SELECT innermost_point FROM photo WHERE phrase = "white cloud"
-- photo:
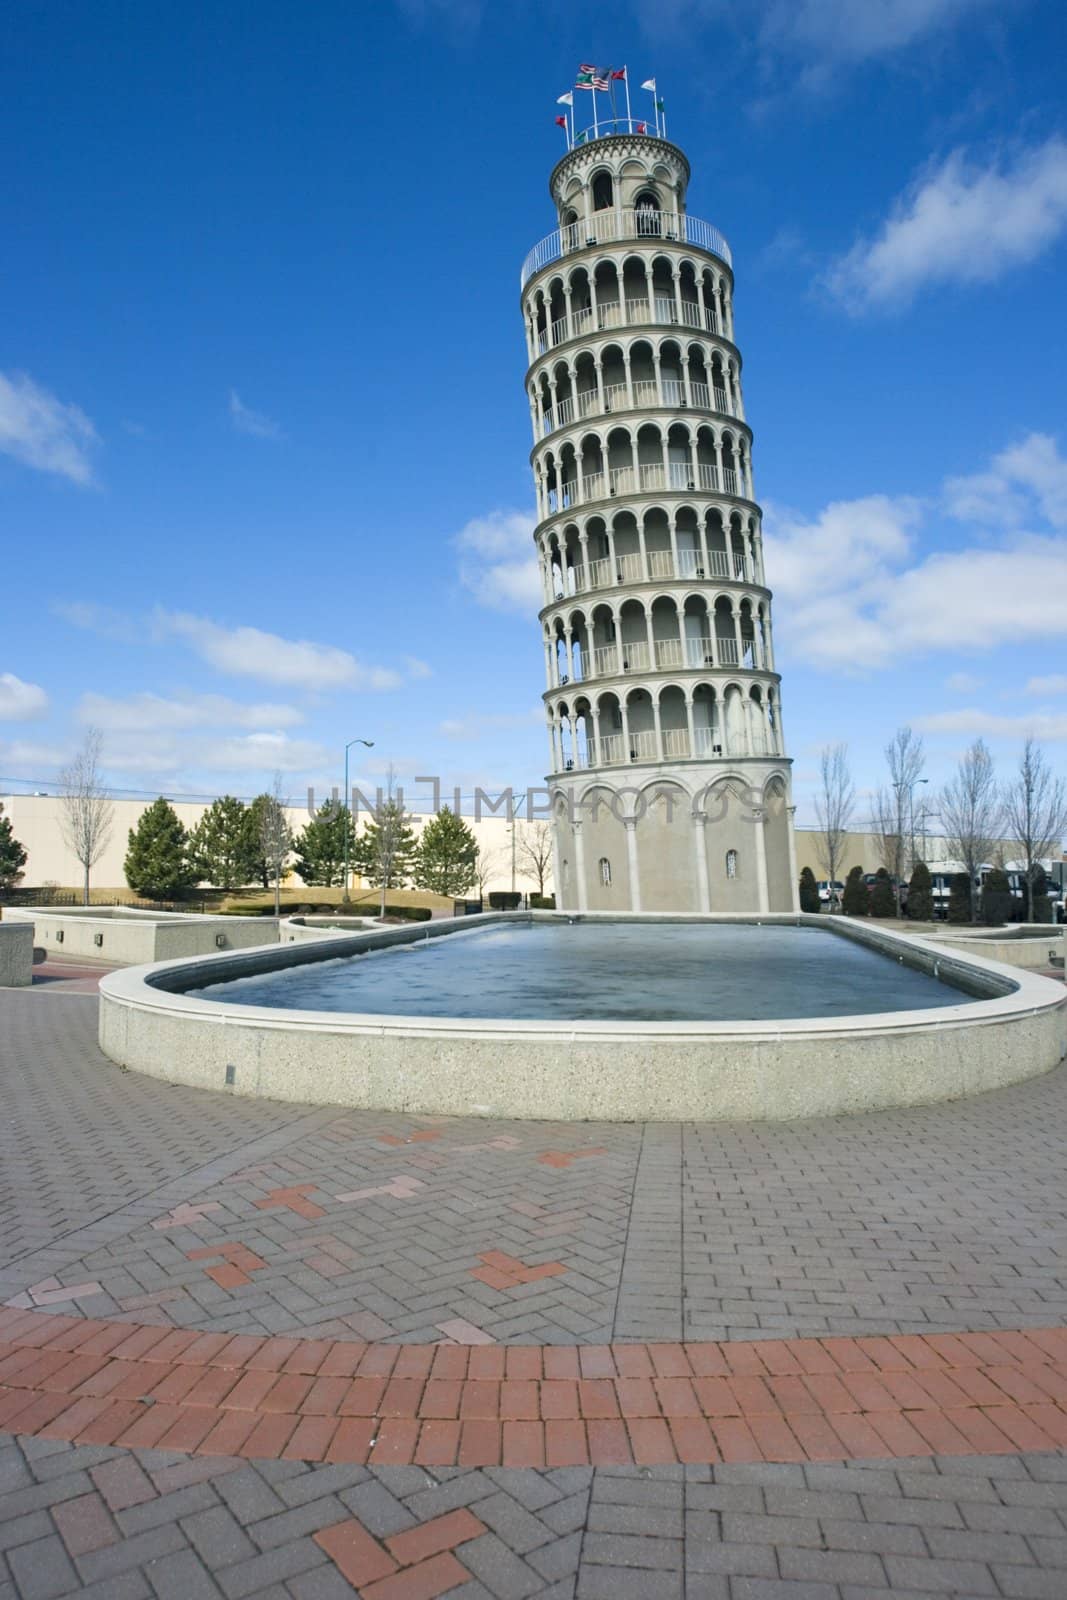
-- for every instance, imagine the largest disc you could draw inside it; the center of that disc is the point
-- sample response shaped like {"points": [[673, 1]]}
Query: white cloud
{"points": [[43, 432], [102, 620], [1054, 683], [167, 753], [963, 682], [497, 561], [254, 423], [1032, 471], [976, 723], [252, 653], [824, 31], [152, 713], [19, 701], [416, 668], [855, 595], [958, 223], [477, 724]]}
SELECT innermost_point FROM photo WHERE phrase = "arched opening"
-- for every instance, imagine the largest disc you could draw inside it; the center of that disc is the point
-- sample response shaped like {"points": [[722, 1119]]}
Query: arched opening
{"points": [[603, 192], [674, 724], [604, 870], [731, 863], [707, 738], [647, 214]]}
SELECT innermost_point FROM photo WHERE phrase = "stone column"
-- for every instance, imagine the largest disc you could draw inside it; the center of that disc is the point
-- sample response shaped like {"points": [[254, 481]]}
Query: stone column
{"points": [[759, 820], [791, 812], [700, 860], [630, 825], [579, 865]]}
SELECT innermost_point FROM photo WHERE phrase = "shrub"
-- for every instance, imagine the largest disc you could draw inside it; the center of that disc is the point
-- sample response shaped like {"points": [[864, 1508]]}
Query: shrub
{"points": [[505, 900], [855, 901], [996, 898], [920, 894], [959, 898], [883, 900], [542, 902], [809, 891]]}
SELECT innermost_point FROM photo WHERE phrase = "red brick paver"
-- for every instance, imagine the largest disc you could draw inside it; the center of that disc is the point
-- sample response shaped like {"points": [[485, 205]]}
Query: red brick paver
{"points": [[320, 1399]]}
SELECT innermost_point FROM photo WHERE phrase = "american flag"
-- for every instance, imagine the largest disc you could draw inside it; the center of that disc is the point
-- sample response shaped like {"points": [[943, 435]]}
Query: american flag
{"points": [[590, 77]]}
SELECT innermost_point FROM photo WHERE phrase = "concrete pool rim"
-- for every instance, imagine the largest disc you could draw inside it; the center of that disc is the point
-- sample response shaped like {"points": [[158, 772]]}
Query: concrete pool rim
{"points": [[585, 1070]]}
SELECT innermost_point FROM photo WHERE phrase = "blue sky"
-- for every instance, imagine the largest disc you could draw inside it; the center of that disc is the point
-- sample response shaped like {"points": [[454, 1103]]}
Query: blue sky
{"points": [[263, 438]]}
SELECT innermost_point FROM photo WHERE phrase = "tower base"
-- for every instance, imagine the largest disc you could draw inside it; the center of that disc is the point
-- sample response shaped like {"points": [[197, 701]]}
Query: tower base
{"points": [[689, 837]]}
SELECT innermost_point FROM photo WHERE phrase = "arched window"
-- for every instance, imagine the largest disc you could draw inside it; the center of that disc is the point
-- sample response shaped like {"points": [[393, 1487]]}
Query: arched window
{"points": [[603, 197], [731, 863], [605, 872], [646, 208]]}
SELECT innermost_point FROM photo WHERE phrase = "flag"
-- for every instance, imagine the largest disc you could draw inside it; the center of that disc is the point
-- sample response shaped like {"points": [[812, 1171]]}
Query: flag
{"points": [[590, 77], [642, 127], [660, 106], [620, 74], [649, 83], [561, 122], [565, 99]]}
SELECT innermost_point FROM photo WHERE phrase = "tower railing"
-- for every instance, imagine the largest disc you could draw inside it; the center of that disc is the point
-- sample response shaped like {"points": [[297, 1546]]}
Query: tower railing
{"points": [[630, 222]]}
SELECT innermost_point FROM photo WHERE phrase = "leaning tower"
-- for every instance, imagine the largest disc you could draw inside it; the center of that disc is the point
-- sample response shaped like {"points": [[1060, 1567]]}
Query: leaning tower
{"points": [[670, 786]]}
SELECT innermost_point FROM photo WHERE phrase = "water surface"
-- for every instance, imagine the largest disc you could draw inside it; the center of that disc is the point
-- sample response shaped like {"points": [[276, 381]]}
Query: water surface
{"points": [[626, 972]]}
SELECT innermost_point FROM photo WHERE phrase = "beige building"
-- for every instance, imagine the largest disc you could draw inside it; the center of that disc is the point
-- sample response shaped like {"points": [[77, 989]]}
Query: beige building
{"points": [[670, 783], [36, 822]]}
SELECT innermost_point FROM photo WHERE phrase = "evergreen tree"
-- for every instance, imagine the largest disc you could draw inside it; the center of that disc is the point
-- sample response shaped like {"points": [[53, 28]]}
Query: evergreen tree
{"points": [[224, 848], [920, 894], [447, 855], [809, 891], [320, 846], [12, 854], [959, 898], [855, 901], [883, 900], [996, 898], [386, 850], [157, 864], [273, 836], [1040, 902]]}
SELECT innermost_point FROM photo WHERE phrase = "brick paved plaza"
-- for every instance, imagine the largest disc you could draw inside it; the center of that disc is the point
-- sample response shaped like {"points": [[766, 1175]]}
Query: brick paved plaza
{"points": [[249, 1349]]}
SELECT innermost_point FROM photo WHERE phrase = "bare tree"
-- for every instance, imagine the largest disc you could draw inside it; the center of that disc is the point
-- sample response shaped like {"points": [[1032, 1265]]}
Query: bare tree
{"points": [[971, 814], [535, 851], [485, 869], [275, 836], [892, 809], [87, 813], [834, 805], [1035, 813]]}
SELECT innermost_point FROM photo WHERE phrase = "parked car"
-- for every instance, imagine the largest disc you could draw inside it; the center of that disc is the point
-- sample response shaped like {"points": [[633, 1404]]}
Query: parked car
{"points": [[830, 892]]}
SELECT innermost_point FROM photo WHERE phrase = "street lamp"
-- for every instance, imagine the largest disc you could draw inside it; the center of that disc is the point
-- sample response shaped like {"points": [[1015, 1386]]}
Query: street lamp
{"points": [[348, 810]]}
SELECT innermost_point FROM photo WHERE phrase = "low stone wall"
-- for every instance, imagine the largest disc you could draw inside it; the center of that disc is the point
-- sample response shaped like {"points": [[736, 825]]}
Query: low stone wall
{"points": [[16, 954], [587, 1070], [298, 930], [1030, 945], [132, 937]]}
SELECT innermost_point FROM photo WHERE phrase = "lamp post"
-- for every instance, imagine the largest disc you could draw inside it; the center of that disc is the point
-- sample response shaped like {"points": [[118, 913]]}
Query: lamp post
{"points": [[348, 810]]}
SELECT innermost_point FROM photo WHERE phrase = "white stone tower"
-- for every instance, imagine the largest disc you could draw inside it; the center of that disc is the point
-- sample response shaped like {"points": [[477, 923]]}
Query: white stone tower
{"points": [[670, 785]]}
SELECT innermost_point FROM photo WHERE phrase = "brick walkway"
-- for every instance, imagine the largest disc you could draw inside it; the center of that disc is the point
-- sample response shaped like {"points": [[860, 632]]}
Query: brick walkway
{"points": [[251, 1349]]}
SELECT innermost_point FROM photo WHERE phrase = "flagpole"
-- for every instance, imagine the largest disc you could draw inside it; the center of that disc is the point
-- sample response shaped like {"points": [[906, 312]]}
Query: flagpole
{"points": [[596, 125], [626, 83], [570, 113]]}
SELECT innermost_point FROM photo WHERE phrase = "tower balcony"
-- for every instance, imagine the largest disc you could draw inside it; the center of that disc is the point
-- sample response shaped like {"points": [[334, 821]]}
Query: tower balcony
{"points": [[642, 393], [638, 222], [657, 566], [633, 311], [654, 724], [651, 476]]}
